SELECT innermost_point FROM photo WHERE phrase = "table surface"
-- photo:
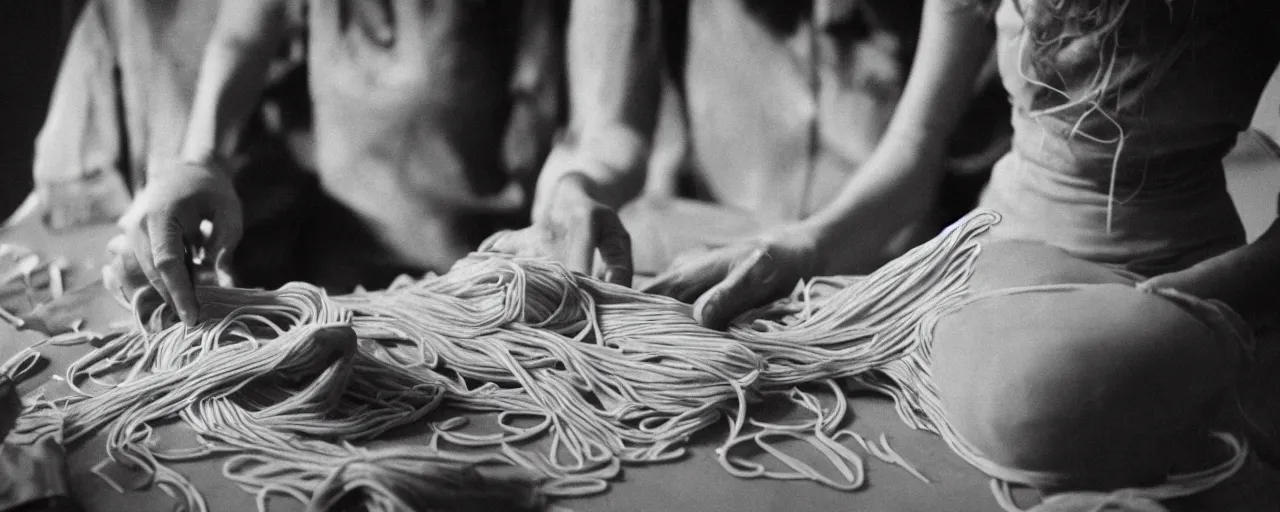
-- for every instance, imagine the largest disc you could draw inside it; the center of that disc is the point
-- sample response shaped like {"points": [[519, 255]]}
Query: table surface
{"points": [[695, 483]]}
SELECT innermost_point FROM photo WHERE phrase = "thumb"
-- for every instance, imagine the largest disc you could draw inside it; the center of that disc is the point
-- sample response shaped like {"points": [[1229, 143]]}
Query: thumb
{"points": [[227, 230], [741, 289], [222, 268]]}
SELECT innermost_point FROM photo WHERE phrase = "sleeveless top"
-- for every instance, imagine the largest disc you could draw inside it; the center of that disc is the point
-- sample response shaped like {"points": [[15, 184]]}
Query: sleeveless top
{"points": [[1170, 207]]}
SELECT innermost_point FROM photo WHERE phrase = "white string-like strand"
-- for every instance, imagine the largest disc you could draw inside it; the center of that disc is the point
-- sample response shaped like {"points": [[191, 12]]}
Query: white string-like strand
{"points": [[297, 387]]}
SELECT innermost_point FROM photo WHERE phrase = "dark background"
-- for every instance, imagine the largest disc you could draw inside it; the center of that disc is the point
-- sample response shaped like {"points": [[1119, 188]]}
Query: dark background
{"points": [[32, 33]]}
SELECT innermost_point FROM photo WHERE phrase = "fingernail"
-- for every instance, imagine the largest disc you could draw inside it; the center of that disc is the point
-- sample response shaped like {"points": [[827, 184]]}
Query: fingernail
{"points": [[704, 314], [615, 275]]}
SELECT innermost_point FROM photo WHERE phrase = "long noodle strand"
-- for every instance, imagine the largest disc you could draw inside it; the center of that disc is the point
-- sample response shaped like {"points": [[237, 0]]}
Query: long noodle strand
{"points": [[298, 388]]}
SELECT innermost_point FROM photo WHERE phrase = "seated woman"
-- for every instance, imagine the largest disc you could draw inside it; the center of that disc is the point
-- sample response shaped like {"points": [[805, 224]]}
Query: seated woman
{"points": [[1123, 111], [1099, 378]]}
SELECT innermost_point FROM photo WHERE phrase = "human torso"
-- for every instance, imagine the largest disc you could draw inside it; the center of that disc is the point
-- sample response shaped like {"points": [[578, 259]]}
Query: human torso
{"points": [[1169, 207], [785, 99], [410, 135]]}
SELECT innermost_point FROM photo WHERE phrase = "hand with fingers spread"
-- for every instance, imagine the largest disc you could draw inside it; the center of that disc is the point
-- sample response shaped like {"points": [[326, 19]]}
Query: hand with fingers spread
{"points": [[572, 230], [173, 206], [724, 282]]}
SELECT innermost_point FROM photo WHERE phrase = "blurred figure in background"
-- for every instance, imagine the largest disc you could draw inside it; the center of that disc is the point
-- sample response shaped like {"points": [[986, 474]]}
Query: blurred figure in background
{"points": [[427, 121], [767, 109]]}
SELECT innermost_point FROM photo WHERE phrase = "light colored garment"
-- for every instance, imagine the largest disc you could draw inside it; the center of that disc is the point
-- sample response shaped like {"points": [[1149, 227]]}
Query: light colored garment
{"points": [[410, 135], [783, 102], [121, 99], [1170, 206], [770, 107]]}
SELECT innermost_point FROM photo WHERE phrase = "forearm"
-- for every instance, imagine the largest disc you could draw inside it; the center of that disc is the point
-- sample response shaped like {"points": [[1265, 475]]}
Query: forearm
{"points": [[613, 63], [1247, 279], [233, 75], [900, 181]]}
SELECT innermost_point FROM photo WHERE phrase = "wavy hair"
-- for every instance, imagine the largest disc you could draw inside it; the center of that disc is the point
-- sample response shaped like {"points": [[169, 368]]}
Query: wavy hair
{"points": [[1084, 54], [1084, 49]]}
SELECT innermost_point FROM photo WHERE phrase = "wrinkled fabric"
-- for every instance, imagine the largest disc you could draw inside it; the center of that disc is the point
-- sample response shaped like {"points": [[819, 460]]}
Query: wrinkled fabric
{"points": [[411, 135], [767, 108], [121, 99], [418, 161], [33, 464], [1171, 208], [752, 127], [34, 477], [784, 101]]}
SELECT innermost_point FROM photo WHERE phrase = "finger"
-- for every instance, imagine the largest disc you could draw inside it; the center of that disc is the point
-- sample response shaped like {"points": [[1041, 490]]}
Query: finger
{"points": [[118, 245], [129, 273], [495, 242], [614, 244], [522, 242], [578, 249], [223, 271], [748, 285], [228, 228], [169, 236], [141, 243], [374, 17], [511, 198], [689, 280]]}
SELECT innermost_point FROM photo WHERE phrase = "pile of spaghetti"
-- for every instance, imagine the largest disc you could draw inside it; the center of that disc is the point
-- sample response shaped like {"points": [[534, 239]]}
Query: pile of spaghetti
{"points": [[296, 387]]}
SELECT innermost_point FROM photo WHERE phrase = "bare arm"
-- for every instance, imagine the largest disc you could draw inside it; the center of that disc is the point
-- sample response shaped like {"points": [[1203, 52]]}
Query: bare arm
{"points": [[1246, 278], [181, 195], [613, 54], [233, 75], [901, 179], [894, 188], [613, 69]]}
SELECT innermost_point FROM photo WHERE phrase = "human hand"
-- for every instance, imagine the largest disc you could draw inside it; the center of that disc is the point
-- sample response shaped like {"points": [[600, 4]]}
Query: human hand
{"points": [[375, 19], [726, 281], [571, 230], [1238, 278], [167, 222]]}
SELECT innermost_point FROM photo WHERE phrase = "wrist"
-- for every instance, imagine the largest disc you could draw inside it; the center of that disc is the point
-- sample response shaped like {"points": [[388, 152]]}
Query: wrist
{"points": [[858, 240], [568, 178], [574, 185], [820, 236], [565, 188], [169, 169], [202, 157]]}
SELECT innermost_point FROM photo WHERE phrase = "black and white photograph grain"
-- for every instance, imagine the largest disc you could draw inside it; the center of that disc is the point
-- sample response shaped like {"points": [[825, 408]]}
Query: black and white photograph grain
{"points": [[639, 255]]}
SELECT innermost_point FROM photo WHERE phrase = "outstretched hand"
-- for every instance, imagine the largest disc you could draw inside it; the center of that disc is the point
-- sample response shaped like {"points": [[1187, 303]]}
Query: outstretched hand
{"points": [[171, 210], [724, 282], [574, 228]]}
